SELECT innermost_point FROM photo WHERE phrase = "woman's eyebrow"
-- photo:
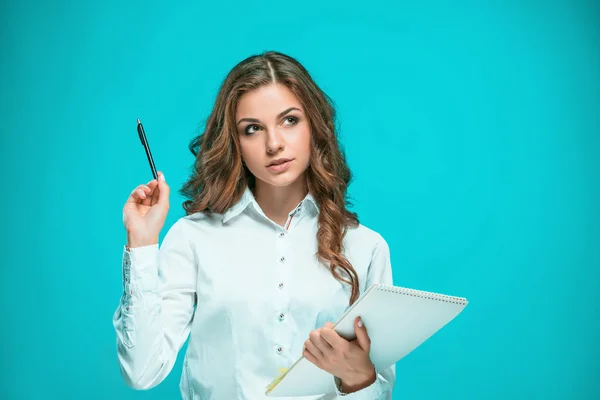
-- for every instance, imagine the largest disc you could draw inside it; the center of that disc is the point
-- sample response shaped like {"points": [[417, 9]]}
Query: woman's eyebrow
{"points": [[281, 114]]}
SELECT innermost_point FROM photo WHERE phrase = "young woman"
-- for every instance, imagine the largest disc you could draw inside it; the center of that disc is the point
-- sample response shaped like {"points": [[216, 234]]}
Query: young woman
{"points": [[266, 258]]}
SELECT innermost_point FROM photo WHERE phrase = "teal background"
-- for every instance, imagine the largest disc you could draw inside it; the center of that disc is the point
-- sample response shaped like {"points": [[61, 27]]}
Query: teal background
{"points": [[472, 130]]}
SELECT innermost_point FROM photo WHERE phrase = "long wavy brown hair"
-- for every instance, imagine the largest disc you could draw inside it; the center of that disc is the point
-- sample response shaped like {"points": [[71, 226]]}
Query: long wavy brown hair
{"points": [[219, 177]]}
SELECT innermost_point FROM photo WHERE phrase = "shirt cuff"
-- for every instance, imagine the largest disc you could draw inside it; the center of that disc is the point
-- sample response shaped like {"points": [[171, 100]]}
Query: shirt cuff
{"points": [[140, 268], [372, 392]]}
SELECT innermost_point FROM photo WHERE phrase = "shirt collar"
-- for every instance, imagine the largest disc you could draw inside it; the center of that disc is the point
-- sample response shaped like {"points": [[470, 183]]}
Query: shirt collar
{"points": [[248, 199]]}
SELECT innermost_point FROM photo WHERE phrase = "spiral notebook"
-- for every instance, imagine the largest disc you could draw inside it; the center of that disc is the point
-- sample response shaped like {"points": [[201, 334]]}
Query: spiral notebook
{"points": [[398, 320]]}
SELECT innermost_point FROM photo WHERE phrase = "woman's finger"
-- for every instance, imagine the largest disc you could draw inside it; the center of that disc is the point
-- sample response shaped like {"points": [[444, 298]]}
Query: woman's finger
{"points": [[149, 190], [314, 350], [155, 197], [332, 337], [319, 342], [307, 354], [136, 195]]}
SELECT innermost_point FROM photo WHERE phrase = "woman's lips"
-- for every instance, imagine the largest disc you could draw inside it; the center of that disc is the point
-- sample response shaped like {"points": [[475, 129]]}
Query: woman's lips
{"points": [[280, 167]]}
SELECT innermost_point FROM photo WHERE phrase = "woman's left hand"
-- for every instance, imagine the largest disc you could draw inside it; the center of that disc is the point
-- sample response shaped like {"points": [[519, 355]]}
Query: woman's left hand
{"points": [[348, 360]]}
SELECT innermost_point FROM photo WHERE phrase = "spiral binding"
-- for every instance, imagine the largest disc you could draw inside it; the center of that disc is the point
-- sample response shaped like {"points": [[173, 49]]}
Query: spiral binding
{"points": [[422, 294]]}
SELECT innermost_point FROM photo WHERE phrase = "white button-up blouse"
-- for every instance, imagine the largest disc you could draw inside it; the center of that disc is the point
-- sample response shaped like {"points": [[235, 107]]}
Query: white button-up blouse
{"points": [[246, 291]]}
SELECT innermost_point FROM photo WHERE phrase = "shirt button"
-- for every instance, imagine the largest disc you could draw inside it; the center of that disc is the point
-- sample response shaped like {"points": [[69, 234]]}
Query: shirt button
{"points": [[279, 350], [280, 285], [282, 259], [282, 234], [281, 317]]}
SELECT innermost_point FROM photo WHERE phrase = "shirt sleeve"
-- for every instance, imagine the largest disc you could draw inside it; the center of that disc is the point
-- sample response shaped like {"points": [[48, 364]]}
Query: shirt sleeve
{"points": [[380, 271], [154, 316]]}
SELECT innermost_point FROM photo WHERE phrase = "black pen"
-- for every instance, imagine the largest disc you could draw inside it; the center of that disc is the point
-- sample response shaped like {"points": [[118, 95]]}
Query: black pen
{"points": [[144, 141]]}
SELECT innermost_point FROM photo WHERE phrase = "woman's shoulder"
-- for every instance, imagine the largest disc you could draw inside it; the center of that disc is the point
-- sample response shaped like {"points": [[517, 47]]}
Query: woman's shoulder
{"points": [[365, 236], [203, 217], [198, 221]]}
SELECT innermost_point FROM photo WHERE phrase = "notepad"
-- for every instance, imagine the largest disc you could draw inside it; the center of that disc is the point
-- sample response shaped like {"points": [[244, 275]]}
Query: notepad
{"points": [[398, 321]]}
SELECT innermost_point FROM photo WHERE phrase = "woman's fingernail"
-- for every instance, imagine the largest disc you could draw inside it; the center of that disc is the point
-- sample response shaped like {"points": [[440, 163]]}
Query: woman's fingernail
{"points": [[161, 176]]}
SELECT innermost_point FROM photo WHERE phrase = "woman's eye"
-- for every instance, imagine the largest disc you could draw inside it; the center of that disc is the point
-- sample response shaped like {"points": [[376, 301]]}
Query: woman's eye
{"points": [[294, 120], [247, 132]]}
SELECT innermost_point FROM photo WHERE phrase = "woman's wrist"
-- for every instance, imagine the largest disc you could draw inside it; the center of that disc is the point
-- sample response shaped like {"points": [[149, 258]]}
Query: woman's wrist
{"points": [[134, 241], [359, 382]]}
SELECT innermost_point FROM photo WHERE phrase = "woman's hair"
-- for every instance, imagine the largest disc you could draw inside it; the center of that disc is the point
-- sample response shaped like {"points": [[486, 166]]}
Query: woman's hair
{"points": [[219, 177]]}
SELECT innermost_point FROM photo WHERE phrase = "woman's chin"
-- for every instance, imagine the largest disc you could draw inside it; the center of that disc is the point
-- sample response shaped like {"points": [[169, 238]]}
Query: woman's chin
{"points": [[281, 180]]}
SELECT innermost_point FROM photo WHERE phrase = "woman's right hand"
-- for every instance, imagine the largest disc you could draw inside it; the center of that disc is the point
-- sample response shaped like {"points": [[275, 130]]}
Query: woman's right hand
{"points": [[145, 212]]}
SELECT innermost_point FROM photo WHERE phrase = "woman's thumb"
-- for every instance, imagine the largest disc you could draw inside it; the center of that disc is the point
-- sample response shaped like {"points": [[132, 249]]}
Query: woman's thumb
{"points": [[164, 189], [362, 336]]}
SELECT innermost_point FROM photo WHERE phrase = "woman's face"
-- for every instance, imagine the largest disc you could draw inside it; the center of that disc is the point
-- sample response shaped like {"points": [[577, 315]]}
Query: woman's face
{"points": [[273, 128]]}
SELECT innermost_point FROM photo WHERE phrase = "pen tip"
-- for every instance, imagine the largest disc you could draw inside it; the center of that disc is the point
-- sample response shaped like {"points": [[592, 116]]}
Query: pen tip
{"points": [[139, 121]]}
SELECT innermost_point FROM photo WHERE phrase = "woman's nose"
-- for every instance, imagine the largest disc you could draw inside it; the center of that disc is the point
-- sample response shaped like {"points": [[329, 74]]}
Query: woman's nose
{"points": [[274, 141]]}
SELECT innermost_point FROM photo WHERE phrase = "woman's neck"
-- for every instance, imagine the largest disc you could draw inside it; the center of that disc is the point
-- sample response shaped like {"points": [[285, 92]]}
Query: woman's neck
{"points": [[278, 201]]}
